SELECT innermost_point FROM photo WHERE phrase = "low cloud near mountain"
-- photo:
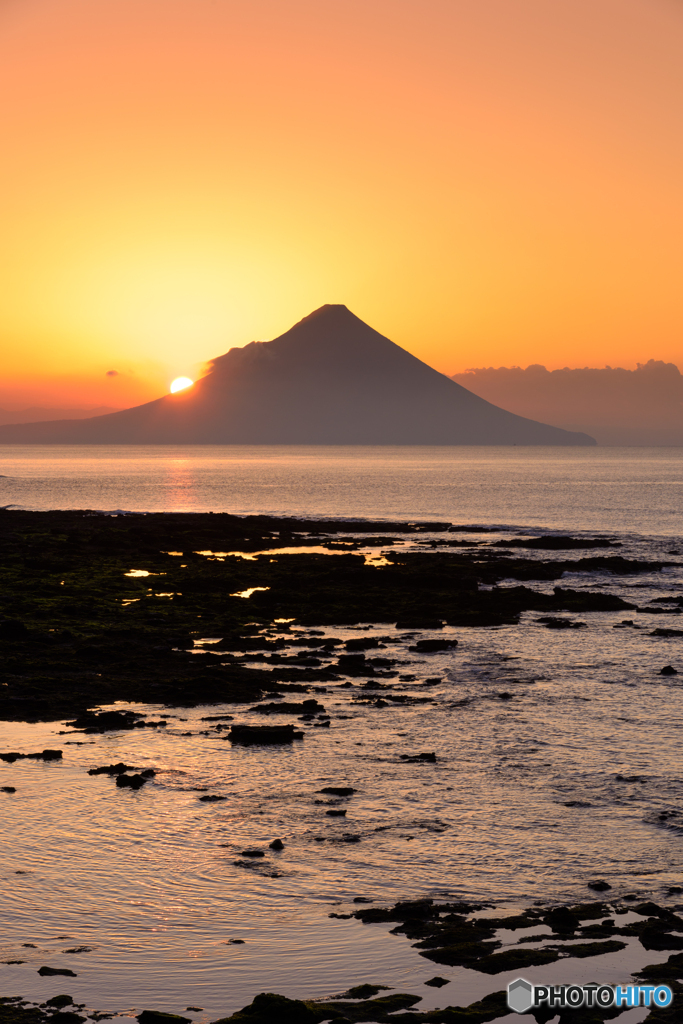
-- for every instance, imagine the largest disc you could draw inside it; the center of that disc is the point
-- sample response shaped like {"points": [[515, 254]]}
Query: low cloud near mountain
{"points": [[616, 406]]}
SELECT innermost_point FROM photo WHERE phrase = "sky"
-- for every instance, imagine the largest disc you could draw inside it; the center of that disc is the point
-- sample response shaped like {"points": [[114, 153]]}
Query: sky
{"points": [[486, 182]]}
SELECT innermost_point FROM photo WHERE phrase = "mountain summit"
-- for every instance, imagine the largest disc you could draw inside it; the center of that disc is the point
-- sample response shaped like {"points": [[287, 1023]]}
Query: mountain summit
{"points": [[330, 379]]}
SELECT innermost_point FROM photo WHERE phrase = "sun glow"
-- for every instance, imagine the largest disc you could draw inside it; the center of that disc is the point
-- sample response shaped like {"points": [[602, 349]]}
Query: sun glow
{"points": [[180, 383]]}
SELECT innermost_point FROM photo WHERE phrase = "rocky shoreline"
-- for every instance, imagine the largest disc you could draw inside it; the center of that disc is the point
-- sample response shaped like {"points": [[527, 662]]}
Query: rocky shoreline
{"points": [[96, 608], [452, 934], [101, 608]]}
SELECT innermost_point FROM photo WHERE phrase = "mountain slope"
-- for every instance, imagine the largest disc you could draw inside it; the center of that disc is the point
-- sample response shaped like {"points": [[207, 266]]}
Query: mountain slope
{"points": [[330, 379]]}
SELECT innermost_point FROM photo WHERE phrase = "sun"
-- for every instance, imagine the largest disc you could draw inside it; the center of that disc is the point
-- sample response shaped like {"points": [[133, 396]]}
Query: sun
{"points": [[180, 383]]}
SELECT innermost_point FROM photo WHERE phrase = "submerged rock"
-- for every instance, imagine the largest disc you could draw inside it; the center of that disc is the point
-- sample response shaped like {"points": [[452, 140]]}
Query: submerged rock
{"points": [[42, 755], [263, 734], [130, 781], [156, 1017], [363, 991], [552, 622], [432, 646], [309, 707], [105, 721], [112, 769]]}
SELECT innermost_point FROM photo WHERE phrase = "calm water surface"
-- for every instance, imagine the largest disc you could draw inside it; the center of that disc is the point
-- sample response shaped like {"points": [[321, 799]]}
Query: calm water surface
{"points": [[634, 489], [525, 801]]}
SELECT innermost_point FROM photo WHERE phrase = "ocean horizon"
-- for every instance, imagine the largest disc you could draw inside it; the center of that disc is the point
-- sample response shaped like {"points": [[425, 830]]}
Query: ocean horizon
{"points": [[604, 489]]}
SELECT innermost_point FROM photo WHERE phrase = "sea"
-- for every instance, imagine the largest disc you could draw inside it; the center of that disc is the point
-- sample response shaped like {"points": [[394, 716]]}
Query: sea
{"points": [[147, 897]]}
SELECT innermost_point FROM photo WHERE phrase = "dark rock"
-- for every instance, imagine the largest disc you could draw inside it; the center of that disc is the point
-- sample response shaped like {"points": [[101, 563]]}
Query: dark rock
{"points": [[8, 789], [43, 755], [668, 670], [338, 790], [561, 919], [557, 543], [48, 972], [437, 982], [599, 885], [429, 757], [112, 769], [276, 844], [666, 632], [253, 853], [156, 1017], [12, 629], [130, 781], [516, 959], [363, 991], [432, 646], [336, 813], [269, 1008], [363, 643], [106, 721], [552, 622], [235, 942], [289, 707], [353, 664], [418, 622], [59, 1001], [249, 734], [212, 798]]}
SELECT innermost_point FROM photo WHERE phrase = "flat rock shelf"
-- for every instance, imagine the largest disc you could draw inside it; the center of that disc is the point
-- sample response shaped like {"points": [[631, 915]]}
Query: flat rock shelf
{"points": [[261, 769]]}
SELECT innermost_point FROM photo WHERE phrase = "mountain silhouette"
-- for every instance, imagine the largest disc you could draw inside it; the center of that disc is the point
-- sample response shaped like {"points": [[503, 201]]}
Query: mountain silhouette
{"points": [[330, 379]]}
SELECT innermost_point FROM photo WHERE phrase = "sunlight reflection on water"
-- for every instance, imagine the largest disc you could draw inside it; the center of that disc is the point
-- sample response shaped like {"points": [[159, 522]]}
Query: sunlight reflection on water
{"points": [[565, 488]]}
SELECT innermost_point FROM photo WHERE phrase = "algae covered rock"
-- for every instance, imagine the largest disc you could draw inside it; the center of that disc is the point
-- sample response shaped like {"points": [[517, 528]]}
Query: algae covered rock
{"points": [[268, 1007]]}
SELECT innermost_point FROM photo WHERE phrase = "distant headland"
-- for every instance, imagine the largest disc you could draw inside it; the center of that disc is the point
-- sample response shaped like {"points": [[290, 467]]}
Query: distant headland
{"points": [[330, 379]]}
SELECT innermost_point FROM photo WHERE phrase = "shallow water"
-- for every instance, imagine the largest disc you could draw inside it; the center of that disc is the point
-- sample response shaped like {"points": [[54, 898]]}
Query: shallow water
{"points": [[149, 879], [634, 489]]}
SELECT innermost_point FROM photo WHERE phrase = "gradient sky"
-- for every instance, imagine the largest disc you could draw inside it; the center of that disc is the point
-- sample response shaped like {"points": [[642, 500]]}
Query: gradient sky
{"points": [[486, 182]]}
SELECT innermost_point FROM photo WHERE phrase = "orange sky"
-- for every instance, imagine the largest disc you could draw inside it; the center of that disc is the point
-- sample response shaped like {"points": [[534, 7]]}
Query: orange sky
{"points": [[484, 181]]}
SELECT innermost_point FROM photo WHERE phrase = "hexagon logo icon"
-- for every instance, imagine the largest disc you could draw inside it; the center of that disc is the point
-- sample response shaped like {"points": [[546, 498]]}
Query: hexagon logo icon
{"points": [[520, 995]]}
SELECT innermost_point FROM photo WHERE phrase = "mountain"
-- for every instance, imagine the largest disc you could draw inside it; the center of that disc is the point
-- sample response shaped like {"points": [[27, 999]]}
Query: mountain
{"points": [[36, 413], [330, 379]]}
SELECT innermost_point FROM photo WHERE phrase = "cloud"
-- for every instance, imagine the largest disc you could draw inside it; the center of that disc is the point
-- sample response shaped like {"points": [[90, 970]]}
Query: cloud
{"points": [[616, 406]]}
